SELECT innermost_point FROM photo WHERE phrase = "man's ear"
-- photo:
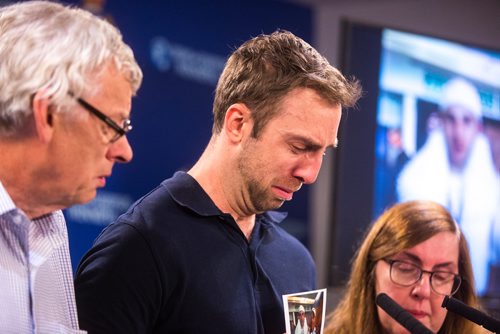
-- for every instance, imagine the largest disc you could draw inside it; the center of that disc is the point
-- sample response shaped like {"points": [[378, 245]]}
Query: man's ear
{"points": [[238, 122], [43, 116]]}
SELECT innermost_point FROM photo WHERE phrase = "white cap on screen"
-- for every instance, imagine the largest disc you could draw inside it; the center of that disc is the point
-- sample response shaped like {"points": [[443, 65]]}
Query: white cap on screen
{"points": [[459, 92]]}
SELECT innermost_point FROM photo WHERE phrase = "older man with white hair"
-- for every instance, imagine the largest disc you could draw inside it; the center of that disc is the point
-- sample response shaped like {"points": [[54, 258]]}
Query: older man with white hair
{"points": [[66, 84], [455, 169]]}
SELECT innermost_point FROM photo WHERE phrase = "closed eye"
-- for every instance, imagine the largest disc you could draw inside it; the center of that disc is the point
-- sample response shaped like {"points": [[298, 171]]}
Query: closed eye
{"points": [[298, 149], [306, 148]]}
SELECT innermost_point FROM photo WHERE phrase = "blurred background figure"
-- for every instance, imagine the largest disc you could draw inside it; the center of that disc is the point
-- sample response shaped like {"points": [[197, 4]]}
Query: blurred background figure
{"points": [[315, 322], [390, 154], [455, 169]]}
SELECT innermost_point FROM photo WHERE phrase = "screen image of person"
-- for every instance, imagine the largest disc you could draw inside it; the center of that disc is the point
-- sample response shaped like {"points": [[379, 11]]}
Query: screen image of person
{"points": [[454, 167], [202, 253], [416, 254], [66, 84], [301, 327]]}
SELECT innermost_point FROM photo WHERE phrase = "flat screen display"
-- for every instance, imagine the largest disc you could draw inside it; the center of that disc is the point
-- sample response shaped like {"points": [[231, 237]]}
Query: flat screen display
{"points": [[428, 127]]}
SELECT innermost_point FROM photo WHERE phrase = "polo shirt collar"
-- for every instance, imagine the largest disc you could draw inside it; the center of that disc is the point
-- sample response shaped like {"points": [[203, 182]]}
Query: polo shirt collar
{"points": [[187, 192]]}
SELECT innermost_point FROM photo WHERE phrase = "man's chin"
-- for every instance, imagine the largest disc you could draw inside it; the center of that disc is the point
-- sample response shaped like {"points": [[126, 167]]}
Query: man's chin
{"points": [[273, 205], [278, 203], [85, 198]]}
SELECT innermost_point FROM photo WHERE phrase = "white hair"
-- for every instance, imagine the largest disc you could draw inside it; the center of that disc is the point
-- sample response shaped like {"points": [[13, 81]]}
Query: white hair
{"points": [[58, 49]]}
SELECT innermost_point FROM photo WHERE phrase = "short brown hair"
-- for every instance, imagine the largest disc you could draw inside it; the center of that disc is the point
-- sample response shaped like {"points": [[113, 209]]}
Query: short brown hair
{"points": [[264, 69]]}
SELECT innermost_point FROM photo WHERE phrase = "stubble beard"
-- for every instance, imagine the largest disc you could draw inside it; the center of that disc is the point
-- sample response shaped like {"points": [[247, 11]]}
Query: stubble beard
{"points": [[256, 192], [260, 198]]}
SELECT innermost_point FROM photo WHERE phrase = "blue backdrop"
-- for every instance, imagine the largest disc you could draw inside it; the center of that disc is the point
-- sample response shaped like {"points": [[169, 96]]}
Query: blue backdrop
{"points": [[181, 47]]}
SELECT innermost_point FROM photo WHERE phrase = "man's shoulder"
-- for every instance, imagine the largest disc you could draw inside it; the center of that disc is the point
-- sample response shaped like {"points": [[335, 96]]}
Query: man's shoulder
{"points": [[160, 196], [178, 192]]}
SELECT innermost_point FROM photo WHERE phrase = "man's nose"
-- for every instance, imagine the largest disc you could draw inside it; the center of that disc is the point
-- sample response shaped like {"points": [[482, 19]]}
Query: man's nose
{"points": [[309, 167], [120, 151]]}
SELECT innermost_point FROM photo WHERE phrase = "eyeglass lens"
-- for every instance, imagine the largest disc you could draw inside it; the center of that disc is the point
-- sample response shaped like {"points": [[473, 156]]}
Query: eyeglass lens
{"points": [[406, 274]]}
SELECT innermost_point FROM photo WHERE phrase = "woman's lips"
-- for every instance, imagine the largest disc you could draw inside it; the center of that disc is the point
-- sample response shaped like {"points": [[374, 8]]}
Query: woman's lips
{"points": [[418, 314]]}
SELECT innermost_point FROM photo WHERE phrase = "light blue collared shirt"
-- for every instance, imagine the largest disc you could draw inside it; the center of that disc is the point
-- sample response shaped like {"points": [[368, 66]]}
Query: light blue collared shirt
{"points": [[36, 280]]}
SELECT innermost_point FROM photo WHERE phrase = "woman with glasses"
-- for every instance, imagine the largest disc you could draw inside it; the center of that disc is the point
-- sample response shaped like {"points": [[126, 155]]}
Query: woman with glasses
{"points": [[416, 254]]}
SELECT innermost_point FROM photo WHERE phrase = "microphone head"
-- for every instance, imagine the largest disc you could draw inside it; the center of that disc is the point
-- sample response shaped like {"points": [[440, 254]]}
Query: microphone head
{"points": [[457, 306], [384, 299], [445, 302], [403, 317]]}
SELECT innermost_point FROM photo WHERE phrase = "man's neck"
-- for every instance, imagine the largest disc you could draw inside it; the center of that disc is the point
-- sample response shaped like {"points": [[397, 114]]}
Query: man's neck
{"points": [[212, 171], [16, 170]]}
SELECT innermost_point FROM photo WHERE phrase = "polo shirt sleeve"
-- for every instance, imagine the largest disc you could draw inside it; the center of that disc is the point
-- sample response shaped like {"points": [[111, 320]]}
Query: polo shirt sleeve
{"points": [[117, 283]]}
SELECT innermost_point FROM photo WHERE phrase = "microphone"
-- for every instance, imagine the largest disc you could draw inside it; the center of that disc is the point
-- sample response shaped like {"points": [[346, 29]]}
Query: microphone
{"points": [[456, 306], [403, 317]]}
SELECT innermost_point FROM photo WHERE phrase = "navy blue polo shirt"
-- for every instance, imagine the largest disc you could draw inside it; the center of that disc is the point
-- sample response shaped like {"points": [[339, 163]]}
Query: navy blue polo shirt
{"points": [[174, 263]]}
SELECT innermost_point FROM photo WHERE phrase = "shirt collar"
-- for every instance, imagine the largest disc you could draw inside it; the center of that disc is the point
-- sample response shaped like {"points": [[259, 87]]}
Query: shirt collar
{"points": [[56, 217], [6, 203], [187, 192]]}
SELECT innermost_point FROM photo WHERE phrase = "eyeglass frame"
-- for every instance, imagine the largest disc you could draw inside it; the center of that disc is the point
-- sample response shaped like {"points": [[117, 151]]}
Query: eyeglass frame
{"points": [[456, 277], [120, 131]]}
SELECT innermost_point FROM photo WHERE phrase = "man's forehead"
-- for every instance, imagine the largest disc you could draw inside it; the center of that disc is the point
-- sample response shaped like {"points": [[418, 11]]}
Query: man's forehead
{"points": [[458, 111]]}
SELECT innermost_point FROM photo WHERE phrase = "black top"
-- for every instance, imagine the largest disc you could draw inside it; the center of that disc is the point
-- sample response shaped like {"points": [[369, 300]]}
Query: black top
{"points": [[174, 263]]}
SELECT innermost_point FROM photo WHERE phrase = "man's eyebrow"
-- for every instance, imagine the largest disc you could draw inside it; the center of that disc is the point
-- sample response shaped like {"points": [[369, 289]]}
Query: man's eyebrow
{"points": [[310, 144], [306, 141]]}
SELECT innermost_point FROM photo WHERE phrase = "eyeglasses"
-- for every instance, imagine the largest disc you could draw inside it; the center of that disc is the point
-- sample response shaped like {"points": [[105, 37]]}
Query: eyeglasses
{"points": [[406, 274], [120, 130]]}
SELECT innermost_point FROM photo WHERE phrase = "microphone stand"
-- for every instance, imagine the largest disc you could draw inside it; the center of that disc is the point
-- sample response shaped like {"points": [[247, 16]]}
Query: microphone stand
{"points": [[456, 306]]}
